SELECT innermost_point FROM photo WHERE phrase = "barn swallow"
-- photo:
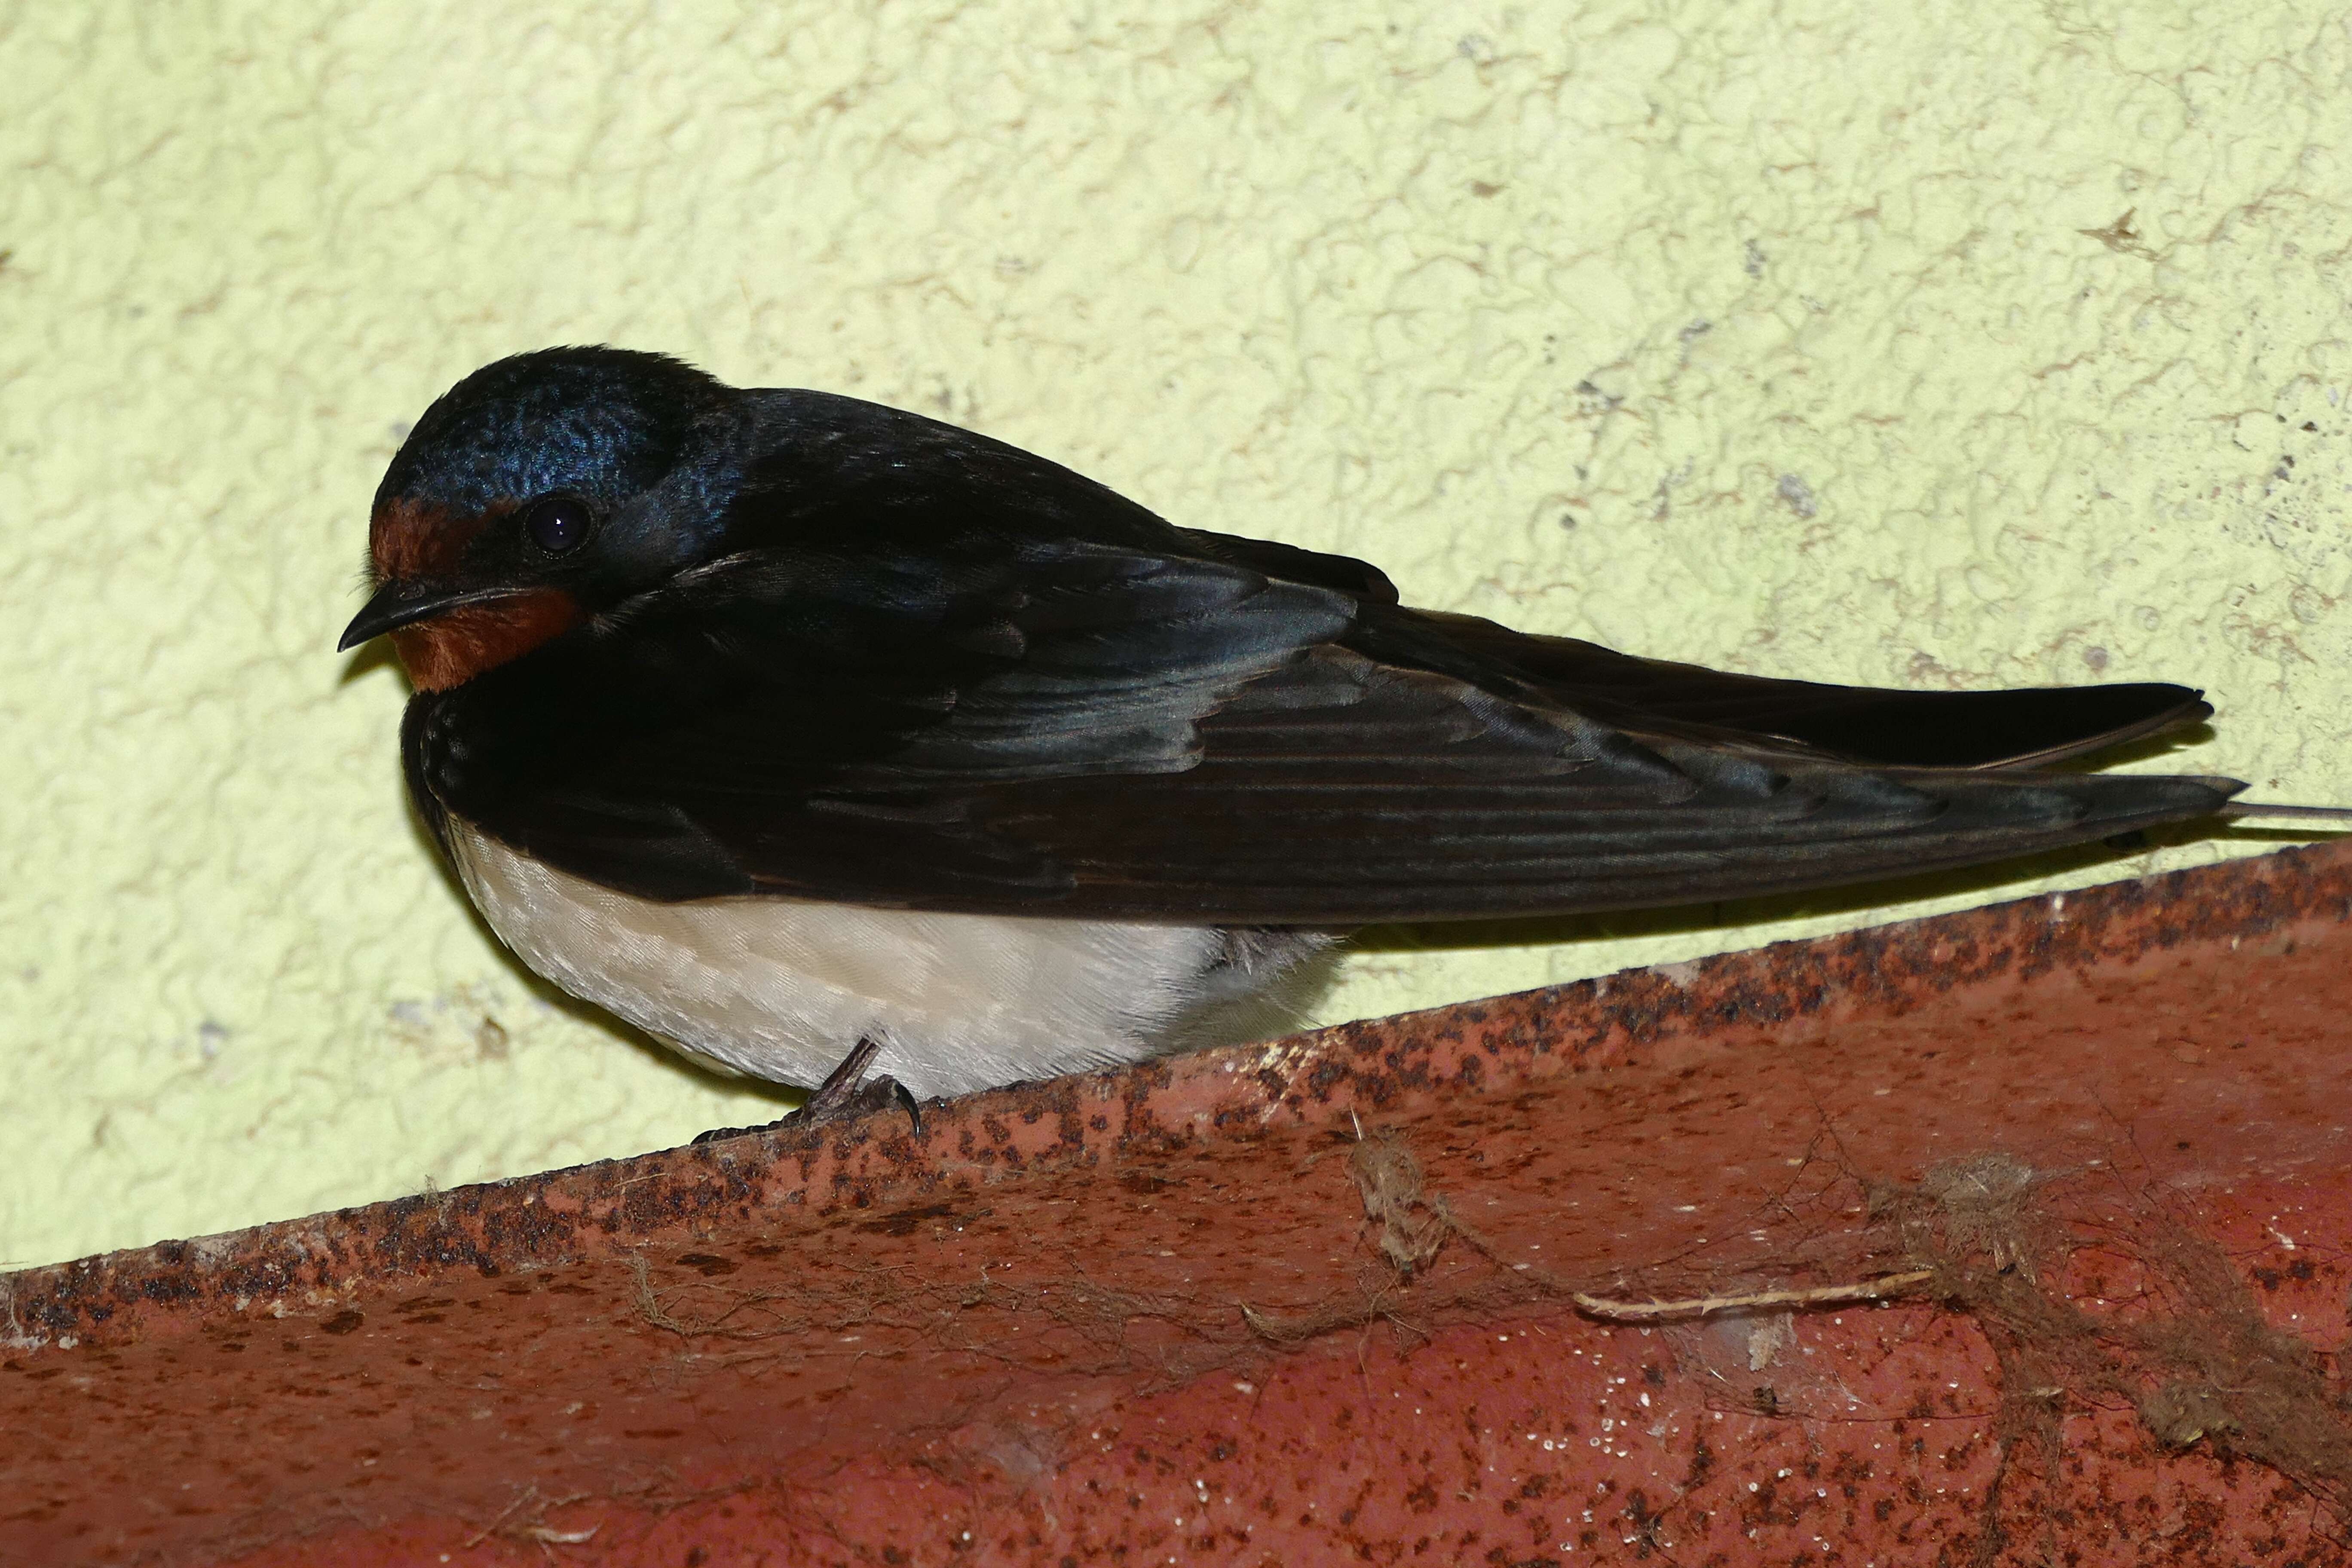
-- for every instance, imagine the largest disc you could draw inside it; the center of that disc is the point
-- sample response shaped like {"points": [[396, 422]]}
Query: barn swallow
{"points": [[806, 733]]}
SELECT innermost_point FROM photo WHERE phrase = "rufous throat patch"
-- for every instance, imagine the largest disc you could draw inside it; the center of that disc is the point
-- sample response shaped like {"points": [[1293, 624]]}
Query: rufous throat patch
{"points": [[458, 645]]}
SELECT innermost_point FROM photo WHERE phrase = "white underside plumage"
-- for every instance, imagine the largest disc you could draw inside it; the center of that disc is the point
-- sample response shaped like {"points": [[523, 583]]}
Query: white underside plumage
{"points": [[782, 988]]}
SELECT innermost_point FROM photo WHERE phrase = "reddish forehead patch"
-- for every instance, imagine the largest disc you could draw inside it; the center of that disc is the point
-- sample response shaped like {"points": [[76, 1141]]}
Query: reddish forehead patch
{"points": [[458, 645], [409, 540]]}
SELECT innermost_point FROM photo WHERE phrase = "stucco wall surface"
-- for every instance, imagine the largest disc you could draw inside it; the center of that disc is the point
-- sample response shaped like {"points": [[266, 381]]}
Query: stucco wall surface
{"points": [[1931, 344]]}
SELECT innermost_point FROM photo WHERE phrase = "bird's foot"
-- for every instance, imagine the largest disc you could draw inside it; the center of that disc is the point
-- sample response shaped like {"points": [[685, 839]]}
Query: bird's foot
{"points": [[846, 1091]]}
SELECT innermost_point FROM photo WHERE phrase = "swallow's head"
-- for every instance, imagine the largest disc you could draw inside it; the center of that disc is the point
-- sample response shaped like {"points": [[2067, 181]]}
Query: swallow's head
{"points": [[533, 494]]}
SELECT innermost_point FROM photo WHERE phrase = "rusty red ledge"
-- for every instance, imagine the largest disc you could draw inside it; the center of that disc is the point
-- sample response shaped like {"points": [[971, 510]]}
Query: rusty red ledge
{"points": [[1159, 1108]]}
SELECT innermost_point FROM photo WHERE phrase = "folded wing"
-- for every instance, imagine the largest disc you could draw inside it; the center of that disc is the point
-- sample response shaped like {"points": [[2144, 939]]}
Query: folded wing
{"points": [[1216, 732]]}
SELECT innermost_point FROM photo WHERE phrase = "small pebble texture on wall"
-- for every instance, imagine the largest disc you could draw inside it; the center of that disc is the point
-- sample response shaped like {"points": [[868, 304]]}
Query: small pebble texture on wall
{"points": [[1930, 345]]}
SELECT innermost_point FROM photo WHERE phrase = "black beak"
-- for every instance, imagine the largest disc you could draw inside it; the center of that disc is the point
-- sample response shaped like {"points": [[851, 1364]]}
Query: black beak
{"points": [[398, 605]]}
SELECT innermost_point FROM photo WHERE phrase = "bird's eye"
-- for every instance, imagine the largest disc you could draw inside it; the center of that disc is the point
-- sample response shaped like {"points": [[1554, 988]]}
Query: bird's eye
{"points": [[557, 524]]}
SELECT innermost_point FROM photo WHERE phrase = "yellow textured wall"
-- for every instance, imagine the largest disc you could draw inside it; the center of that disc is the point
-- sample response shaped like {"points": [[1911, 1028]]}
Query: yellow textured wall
{"points": [[1932, 343]]}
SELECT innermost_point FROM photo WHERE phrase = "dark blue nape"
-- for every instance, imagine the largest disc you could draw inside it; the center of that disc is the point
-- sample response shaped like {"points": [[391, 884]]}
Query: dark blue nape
{"points": [[604, 422]]}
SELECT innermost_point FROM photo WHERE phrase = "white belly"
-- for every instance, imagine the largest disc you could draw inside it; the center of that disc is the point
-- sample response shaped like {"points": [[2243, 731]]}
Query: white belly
{"points": [[782, 988]]}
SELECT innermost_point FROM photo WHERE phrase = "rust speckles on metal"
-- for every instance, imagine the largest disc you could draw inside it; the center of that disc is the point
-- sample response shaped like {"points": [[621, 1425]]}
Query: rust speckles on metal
{"points": [[1158, 1312]]}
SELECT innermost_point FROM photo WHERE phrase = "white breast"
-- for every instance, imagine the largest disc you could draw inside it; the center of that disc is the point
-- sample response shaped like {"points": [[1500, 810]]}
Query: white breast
{"points": [[782, 988]]}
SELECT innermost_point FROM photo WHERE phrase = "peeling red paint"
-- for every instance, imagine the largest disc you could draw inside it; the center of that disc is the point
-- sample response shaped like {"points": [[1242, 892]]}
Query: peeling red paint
{"points": [[1121, 1318]]}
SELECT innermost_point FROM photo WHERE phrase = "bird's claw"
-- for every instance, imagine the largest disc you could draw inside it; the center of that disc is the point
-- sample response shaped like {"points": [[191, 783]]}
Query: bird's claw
{"points": [[846, 1092]]}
